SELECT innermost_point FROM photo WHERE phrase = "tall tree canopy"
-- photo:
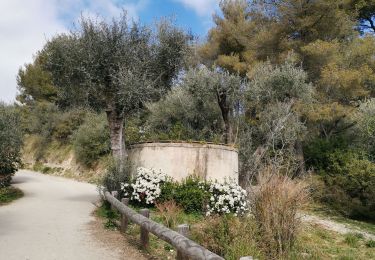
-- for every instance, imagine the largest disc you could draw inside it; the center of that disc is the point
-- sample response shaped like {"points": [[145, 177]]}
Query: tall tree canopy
{"points": [[321, 35]]}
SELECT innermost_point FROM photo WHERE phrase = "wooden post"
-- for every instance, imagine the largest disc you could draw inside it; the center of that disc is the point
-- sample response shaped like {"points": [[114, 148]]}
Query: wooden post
{"points": [[144, 232], [114, 194], [124, 218], [183, 230]]}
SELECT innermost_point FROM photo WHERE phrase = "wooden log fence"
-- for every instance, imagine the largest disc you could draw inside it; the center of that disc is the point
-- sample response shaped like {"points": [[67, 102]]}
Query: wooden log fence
{"points": [[186, 248]]}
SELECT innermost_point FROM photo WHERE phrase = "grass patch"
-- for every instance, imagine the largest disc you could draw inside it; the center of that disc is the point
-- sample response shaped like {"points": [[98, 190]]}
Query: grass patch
{"points": [[370, 243], [9, 194], [353, 239], [316, 242], [313, 242], [105, 212]]}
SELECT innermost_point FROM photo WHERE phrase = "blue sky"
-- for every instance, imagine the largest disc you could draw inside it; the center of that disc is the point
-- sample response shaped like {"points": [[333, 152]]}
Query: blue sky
{"points": [[25, 25]]}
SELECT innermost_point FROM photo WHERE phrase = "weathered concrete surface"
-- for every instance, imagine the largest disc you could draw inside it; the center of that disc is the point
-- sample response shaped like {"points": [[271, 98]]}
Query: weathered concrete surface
{"points": [[51, 221], [178, 160]]}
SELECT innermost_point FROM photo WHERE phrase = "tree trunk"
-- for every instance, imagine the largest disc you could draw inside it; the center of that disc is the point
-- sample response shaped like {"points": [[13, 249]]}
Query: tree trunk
{"points": [[228, 128], [116, 126], [224, 108], [300, 158]]}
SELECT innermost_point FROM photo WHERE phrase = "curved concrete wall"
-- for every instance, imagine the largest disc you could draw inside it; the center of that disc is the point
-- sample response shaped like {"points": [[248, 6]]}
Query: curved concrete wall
{"points": [[179, 160]]}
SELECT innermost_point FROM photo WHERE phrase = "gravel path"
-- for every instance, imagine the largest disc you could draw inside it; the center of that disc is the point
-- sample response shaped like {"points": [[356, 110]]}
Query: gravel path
{"points": [[52, 222], [334, 226]]}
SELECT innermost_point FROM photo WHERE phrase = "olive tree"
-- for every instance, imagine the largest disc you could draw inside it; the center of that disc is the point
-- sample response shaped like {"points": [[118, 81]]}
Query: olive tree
{"points": [[180, 115], [115, 67], [219, 85], [273, 132], [10, 144]]}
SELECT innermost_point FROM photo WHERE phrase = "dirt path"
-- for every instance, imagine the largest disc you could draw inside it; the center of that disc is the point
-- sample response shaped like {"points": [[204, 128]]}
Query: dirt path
{"points": [[52, 222], [334, 226]]}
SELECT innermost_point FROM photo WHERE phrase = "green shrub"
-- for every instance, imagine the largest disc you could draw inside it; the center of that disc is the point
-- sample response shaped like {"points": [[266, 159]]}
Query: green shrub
{"points": [[179, 116], [350, 182], [10, 144], [317, 151], [116, 174], [192, 195], [39, 119], [91, 140], [168, 190], [68, 122]]}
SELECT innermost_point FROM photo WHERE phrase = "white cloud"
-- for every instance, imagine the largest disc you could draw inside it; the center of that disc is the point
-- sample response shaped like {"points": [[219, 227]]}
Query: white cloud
{"points": [[201, 7], [25, 25]]}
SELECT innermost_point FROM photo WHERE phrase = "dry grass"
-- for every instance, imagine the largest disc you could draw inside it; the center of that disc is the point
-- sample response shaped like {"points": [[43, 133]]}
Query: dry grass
{"points": [[169, 212], [228, 236], [275, 204]]}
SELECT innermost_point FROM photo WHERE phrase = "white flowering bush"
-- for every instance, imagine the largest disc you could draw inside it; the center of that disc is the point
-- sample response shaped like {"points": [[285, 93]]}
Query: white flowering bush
{"points": [[192, 194], [147, 186], [226, 198]]}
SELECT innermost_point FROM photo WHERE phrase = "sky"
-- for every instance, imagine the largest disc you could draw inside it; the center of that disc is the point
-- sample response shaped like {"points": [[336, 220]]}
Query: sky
{"points": [[26, 25]]}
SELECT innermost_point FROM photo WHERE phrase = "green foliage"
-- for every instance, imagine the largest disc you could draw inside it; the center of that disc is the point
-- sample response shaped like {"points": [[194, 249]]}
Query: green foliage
{"points": [[35, 83], [114, 66], [105, 211], [179, 117], [270, 139], [91, 140], [229, 44], [365, 127], [39, 119], [350, 184], [67, 123], [270, 84], [10, 144], [124, 81], [318, 150], [191, 195], [117, 173], [199, 107], [168, 190]]}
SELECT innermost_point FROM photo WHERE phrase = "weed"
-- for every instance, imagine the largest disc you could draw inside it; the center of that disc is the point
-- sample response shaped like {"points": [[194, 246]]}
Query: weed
{"points": [[352, 239], [105, 211], [370, 244]]}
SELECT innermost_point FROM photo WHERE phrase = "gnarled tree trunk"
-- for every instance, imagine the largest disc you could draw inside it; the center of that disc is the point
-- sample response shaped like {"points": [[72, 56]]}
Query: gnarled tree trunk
{"points": [[116, 127]]}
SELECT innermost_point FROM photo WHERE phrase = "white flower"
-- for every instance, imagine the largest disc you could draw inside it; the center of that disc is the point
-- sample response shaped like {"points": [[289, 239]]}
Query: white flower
{"points": [[147, 184], [226, 198]]}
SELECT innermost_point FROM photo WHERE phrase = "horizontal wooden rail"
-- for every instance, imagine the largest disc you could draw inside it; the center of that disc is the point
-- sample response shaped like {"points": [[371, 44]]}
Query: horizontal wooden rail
{"points": [[183, 244]]}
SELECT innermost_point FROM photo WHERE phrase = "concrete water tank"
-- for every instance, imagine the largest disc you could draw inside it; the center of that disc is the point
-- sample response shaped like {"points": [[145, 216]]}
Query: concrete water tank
{"points": [[179, 160]]}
